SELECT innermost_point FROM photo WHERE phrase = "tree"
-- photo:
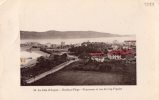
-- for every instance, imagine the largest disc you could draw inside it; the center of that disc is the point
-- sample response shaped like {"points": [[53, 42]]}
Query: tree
{"points": [[64, 57], [105, 51], [41, 60]]}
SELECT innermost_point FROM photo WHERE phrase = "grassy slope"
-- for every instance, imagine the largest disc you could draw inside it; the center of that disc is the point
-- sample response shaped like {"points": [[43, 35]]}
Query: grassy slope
{"points": [[68, 76]]}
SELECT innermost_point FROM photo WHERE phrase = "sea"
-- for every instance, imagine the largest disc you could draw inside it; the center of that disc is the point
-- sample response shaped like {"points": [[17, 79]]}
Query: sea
{"points": [[79, 40]]}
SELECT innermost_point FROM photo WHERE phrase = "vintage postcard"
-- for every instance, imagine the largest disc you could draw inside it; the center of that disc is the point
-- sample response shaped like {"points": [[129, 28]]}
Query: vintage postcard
{"points": [[56, 47]]}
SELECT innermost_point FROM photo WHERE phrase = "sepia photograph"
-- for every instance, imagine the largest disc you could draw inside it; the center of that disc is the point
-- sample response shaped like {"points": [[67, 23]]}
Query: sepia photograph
{"points": [[76, 45]]}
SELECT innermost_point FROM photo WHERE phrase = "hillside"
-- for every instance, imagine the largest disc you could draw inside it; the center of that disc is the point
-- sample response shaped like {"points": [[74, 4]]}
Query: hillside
{"points": [[64, 34]]}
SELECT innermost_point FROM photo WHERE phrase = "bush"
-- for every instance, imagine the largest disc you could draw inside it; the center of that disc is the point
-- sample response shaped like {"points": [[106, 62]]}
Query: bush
{"points": [[105, 68]]}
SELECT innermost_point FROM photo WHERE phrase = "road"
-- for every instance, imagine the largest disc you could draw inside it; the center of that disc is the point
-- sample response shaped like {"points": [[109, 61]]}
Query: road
{"points": [[55, 69]]}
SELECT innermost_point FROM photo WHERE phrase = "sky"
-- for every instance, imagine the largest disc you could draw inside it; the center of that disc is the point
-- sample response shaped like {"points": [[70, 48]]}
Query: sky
{"points": [[109, 16]]}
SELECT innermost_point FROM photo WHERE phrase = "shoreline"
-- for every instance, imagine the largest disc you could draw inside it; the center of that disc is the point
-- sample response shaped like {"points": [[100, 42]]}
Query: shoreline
{"points": [[33, 55]]}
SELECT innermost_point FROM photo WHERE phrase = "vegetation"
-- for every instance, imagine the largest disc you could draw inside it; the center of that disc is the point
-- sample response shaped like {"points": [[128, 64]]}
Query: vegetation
{"points": [[88, 47], [127, 71], [79, 73], [109, 66], [43, 64]]}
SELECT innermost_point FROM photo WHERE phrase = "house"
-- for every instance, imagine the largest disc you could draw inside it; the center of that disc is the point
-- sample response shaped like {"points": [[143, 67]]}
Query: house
{"points": [[62, 45], [99, 57], [54, 46], [119, 54], [130, 43], [115, 47], [112, 56], [48, 45]]}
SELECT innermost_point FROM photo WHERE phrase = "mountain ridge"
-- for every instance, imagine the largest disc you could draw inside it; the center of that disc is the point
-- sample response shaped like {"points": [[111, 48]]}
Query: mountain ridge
{"points": [[52, 34]]}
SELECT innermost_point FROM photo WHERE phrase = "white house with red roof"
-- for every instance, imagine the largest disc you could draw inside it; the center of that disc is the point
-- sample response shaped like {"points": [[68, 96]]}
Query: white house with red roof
{"points": [[118, 54], [98, 56]]}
